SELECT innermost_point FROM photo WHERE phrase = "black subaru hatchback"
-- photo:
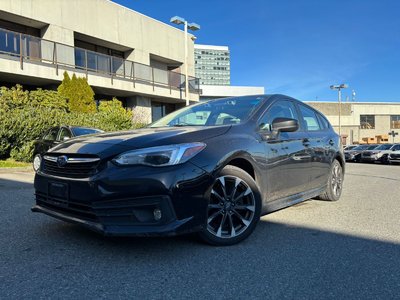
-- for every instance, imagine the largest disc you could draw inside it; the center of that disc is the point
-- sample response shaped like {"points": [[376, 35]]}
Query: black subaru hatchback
{"points": [[212, 168]]}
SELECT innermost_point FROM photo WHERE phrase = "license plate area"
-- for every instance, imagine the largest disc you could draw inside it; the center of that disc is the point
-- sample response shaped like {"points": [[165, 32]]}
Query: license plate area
{"points": [[58, 193]]}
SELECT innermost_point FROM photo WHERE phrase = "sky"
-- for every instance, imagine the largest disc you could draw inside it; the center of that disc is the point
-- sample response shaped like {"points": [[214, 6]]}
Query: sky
{"points": [[299, 47]]}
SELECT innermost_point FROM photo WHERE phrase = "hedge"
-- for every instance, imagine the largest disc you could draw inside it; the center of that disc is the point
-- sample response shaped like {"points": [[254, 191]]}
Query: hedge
{"points": [[25, 116]]}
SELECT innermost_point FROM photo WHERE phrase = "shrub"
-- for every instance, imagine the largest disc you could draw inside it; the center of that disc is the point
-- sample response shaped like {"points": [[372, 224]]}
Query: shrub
{"points": [[23, 153], [13, 98], [25, 116], [112, 116], [78, 93], [22, 125]]}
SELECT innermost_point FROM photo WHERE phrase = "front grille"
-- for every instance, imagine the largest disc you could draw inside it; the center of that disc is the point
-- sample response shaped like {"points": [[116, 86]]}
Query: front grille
{"points": [[395, 156], [122, 212], [366, 154], [73, 166]]}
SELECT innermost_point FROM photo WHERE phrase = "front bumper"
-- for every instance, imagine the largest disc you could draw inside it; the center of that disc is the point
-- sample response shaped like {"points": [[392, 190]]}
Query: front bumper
{"points": [[394, 159], [349, 157], [120, 201], [372, 158]]}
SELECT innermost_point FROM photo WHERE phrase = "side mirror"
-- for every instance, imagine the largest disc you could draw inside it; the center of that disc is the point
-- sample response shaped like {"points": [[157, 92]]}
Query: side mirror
{"points": [[284, 125]]}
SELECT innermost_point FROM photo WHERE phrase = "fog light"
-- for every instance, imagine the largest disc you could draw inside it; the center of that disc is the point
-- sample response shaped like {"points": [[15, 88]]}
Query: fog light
{"points": [[157, 214]]}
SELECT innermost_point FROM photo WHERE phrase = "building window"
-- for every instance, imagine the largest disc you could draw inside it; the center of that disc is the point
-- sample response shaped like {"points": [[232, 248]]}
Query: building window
{"points": [[159, 110], [367, 121], [395, 122]]}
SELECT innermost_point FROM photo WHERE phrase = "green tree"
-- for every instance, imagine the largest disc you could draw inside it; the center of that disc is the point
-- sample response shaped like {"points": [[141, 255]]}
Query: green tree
{"points": [[78, 93]]}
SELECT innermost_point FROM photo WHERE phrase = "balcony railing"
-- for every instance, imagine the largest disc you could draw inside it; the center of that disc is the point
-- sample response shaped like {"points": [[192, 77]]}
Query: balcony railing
{"points": [[36, 50]]}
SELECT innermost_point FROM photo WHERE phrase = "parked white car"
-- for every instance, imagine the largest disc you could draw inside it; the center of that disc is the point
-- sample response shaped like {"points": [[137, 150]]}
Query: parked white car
{"points": [[380, 153], [394, 157]]}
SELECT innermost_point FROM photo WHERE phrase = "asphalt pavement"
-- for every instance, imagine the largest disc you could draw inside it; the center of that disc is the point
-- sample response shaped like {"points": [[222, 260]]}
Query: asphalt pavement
{"points": [[348, 249]]}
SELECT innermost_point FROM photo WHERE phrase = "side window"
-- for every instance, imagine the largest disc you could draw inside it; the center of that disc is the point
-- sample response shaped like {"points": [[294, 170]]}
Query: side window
{"points": [[324, 123], [309, 118], [51, 135], [64, 134], [396, 148], [279, 109]]}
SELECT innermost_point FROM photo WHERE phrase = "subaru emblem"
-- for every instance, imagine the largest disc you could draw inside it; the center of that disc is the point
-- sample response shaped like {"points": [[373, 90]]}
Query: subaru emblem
{"points": [[62, 161]]}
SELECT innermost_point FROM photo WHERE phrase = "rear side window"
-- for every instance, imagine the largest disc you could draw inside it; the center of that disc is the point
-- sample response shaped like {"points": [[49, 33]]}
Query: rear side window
{"points": [[324, 122], [310, 118]]}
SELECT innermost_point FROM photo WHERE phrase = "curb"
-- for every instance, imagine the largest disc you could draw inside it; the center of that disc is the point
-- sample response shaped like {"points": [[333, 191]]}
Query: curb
{"points": [[16, 170]]}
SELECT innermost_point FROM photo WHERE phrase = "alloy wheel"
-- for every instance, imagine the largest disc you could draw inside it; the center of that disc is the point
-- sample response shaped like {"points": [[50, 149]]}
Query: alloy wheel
{"points": [[231, 208], [337, 179]]}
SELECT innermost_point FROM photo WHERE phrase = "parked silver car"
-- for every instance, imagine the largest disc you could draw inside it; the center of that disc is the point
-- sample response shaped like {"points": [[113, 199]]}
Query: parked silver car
{"points": [[354, 154], [379, 154], [394, 157]]}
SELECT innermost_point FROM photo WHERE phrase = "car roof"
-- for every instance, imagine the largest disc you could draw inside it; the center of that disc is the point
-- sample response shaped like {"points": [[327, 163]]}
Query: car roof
{"points": [[72, 127]]}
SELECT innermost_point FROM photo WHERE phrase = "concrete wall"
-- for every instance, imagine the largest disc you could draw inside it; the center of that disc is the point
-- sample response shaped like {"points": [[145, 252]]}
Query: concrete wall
{"points": [[108, 21], [105, 23]]}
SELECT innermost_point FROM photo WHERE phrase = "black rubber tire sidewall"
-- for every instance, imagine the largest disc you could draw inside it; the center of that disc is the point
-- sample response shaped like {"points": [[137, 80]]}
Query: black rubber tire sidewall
{"points": [[329, 195]]}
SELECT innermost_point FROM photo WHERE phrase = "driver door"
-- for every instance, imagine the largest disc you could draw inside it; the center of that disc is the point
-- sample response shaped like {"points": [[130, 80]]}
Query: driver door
{"points": [[288, 154]]}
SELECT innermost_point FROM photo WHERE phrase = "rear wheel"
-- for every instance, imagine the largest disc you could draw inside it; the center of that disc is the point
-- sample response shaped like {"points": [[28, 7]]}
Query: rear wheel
{"points": [[234, 208], [36, 162], [335, 183]]}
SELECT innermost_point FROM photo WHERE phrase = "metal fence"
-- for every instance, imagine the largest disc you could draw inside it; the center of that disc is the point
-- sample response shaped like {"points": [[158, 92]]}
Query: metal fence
{"points": [[34, 49]]}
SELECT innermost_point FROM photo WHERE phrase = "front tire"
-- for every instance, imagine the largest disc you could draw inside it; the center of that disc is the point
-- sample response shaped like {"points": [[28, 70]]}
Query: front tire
{"points": [[385, 159], [36, 162], [234, 208], [335, 183]]}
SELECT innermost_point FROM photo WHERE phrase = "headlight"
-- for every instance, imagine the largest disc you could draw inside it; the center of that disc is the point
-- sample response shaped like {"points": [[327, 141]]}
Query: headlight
{"points": [[160, 156]]}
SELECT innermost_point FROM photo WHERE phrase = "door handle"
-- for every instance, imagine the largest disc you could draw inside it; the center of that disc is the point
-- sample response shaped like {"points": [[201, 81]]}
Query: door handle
{"points": [[306, 142]]}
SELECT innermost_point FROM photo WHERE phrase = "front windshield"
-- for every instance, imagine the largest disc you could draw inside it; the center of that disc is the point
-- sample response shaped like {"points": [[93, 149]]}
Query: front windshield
{"points": [[384, 147], [372, 147], [212, 113], [83, 131], [349, 147], [362, 147]]}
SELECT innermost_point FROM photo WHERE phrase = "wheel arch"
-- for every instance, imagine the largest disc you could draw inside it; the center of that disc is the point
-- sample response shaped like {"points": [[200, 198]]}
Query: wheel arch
{"points": [[339, 157], [243, 160]]}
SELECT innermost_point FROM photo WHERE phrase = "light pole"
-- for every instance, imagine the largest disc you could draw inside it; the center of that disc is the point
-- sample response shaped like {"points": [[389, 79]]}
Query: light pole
{"points": [[339, 88], [193, 27]]}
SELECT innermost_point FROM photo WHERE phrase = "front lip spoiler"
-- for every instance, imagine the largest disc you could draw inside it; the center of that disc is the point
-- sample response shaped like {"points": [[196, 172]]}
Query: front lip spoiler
{"points": [[169, 229], [88, 224]]}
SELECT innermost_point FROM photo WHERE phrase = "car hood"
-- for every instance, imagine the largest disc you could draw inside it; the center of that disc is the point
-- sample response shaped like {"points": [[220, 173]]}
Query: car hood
{"points": [[113, 143], [353, 151], [373, 151]]}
